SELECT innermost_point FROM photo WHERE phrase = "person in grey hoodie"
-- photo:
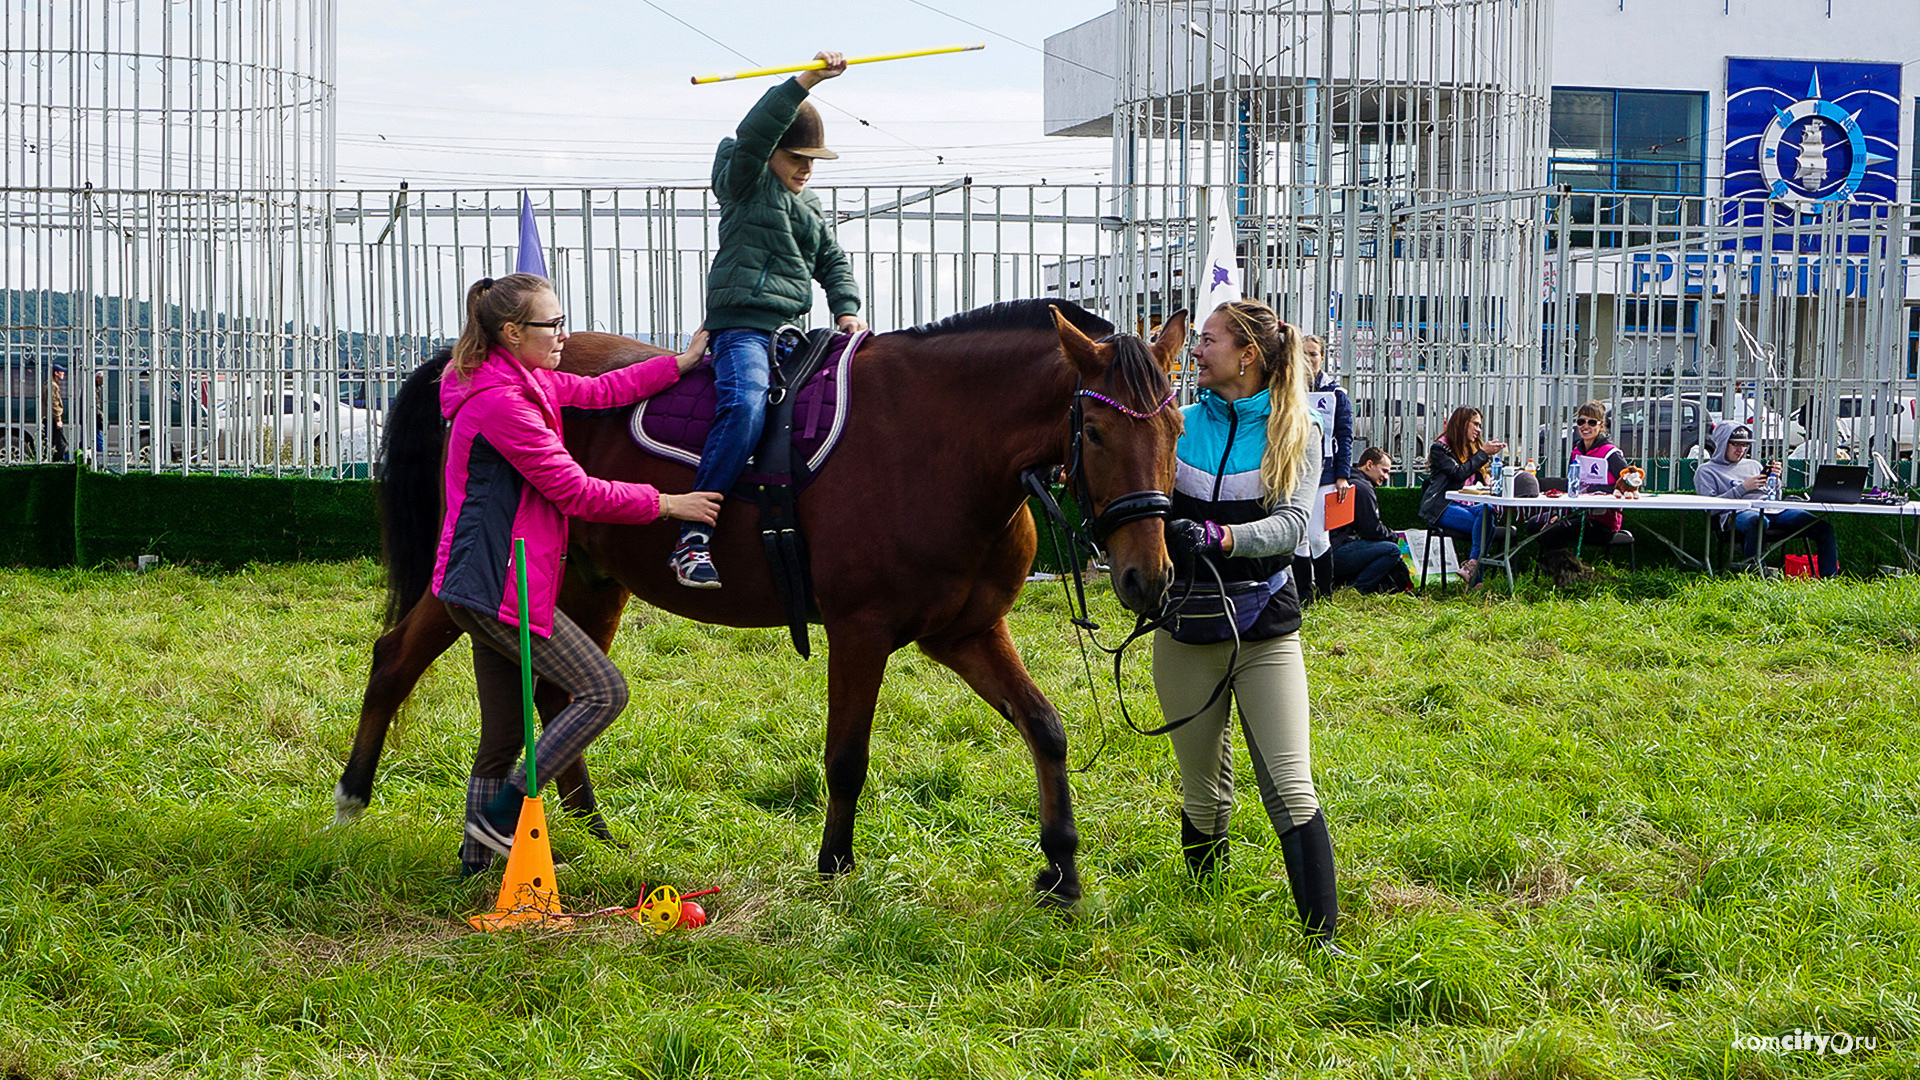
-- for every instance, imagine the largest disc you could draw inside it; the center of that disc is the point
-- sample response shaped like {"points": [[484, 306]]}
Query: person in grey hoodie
{"points": [[1731, 474]]}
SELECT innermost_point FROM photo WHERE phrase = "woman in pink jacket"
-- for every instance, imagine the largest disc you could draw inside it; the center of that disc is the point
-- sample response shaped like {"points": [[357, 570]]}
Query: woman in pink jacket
{"points": [[508, 474]]}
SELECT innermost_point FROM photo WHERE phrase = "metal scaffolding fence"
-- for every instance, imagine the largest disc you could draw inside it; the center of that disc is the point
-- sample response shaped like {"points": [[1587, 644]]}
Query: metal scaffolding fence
{"points": [[203, 357]]}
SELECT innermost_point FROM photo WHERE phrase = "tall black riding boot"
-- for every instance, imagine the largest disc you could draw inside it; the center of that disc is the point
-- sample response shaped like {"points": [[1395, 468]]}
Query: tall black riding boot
{"points": [[1309, 854], [1206, 853], [1303, 580], [1323, 575]]}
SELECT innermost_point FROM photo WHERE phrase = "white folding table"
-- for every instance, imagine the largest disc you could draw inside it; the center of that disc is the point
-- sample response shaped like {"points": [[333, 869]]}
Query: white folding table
{"points": [[1515, 507]]}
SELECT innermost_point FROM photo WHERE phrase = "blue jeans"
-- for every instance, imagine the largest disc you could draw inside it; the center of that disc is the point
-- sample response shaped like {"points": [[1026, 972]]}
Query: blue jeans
{"points": [[741, 363], [1461, 518], [1369, 565], [1748, 525]]}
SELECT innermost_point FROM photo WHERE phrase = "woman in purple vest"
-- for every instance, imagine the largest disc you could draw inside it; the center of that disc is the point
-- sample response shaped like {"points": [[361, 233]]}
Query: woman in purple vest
{"points": [[1589, 442]]}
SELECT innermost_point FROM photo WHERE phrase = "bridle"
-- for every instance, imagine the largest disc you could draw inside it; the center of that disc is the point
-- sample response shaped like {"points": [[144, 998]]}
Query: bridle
{"points": [[1086, 536], [1126, 509]]}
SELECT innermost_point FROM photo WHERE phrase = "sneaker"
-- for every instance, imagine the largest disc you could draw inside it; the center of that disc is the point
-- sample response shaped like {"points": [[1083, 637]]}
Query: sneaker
{"points": [[495, 825], [693, 566]]}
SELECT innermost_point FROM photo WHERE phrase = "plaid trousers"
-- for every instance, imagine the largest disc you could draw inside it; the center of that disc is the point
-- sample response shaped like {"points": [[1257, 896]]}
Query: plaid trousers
{"points": [[568, 659]]}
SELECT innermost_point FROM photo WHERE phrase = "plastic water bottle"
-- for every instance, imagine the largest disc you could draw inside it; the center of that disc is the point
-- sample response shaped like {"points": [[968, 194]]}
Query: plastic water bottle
{"points": [[1496, 474], [1772, 489]]}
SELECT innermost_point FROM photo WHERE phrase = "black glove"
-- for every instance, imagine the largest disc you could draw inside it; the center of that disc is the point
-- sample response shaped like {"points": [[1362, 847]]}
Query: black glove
{"points": [[1185, 538]]}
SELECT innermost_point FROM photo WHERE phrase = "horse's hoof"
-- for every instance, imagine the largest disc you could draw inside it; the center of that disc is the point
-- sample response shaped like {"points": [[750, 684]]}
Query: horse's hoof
{"points": [[1057, 888], [346, 807], [835, 865]]}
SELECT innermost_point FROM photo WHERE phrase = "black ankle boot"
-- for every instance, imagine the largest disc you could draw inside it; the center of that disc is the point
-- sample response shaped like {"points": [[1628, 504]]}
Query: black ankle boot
{"points": [[1309, 854], [1206, 854]]}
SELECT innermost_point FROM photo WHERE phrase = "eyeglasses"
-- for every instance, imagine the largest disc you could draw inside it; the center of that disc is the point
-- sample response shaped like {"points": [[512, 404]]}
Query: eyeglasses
{"points": [[554, 325], [1586, 421]]}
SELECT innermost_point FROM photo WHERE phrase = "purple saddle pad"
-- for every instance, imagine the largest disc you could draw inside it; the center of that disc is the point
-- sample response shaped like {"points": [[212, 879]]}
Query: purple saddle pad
{"points": [[674, 423]]}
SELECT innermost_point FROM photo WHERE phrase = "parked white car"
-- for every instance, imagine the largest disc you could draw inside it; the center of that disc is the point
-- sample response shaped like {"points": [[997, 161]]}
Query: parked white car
{"points": [[1896, 417], [1768, 425], [298, 420]]}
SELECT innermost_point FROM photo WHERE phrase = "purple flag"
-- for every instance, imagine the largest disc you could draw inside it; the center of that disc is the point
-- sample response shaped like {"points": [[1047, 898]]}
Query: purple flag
{"points": [[531, 260]]}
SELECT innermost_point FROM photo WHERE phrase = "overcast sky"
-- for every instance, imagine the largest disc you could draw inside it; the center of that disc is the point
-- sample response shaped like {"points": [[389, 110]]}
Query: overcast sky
{"points": [[571, 92]]}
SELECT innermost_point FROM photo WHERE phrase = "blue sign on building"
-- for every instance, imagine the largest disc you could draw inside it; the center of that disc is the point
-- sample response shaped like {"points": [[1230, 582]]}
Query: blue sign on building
{"points": [[1805, 134]]}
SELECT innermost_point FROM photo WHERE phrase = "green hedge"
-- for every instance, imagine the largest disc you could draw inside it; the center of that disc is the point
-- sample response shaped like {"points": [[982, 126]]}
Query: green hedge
{"points": [[36, 515], [222, 520], [63, 515]]}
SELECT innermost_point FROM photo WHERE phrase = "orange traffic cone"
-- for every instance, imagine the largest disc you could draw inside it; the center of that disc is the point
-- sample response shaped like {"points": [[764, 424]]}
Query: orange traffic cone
{"points": [[528, 891]]}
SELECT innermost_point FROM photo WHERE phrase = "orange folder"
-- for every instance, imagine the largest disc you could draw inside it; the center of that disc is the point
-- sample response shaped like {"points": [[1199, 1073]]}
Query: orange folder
{"points": [[1339, 513]]}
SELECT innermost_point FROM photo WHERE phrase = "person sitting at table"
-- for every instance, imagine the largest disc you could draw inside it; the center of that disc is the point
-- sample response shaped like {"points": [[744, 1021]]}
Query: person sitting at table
{"points": [[1365, 553], [1731, 474], [1458, 458], [1589, 443]]}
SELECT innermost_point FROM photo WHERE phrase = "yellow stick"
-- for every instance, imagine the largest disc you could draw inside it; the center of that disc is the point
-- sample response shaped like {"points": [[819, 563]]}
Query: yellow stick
{"points": [[816, 65]]}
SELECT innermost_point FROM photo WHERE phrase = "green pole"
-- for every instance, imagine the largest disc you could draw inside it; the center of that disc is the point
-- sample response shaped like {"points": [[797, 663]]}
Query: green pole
{"points": [[526, 665]]}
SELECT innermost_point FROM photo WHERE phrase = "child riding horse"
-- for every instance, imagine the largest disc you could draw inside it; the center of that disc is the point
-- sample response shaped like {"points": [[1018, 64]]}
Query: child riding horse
{"points": [[917, 523]]}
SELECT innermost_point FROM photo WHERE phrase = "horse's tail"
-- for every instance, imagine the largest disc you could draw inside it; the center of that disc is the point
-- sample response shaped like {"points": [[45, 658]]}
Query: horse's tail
{"points": [[409, 485]]}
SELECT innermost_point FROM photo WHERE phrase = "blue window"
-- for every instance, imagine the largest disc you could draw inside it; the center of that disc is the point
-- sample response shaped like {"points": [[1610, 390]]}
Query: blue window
{"points": [[1913, 342], [1629, 140]]}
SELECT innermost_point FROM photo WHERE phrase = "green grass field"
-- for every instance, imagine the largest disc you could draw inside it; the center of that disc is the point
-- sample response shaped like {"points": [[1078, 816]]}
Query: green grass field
{"points": [[1625, 832]]}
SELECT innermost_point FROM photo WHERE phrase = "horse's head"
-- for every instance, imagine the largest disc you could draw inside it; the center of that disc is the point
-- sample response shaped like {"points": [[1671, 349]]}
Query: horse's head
{"points": [[1120, 452]]}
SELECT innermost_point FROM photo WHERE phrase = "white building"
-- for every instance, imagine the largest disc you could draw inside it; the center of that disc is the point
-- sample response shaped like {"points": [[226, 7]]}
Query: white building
{"points": [[1707, 167], [1639, 86]]}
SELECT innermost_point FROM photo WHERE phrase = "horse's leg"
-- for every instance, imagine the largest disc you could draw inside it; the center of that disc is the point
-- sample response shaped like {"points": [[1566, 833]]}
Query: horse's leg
{"points": [[400, 657], [991, 665], [596, 609], [856, 663]]}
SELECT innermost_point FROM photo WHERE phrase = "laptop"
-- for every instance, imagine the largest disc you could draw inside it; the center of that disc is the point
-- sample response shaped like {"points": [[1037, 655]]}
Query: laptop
{"points": [[1838, 484]]}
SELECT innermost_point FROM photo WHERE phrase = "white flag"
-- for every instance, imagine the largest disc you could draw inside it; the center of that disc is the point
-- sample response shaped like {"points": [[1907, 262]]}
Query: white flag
{"points": [[1223, 262]]}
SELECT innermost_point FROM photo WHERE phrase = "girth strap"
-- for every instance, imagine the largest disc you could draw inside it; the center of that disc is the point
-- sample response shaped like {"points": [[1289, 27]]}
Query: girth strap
{"points": [[787, 556]]}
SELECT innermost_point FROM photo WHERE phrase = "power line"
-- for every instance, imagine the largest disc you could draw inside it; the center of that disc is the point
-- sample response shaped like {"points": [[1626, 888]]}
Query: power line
{"points": [[1016, 41], [697, 30]]}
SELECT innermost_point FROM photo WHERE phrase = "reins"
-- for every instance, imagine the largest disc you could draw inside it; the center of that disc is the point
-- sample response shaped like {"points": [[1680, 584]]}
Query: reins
{"points": [[1084, 539], [1082, 548]]}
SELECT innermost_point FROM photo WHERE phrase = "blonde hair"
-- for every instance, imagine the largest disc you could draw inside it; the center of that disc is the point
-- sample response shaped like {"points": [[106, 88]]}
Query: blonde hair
{"points": [[1289, 421], [491, 304]]}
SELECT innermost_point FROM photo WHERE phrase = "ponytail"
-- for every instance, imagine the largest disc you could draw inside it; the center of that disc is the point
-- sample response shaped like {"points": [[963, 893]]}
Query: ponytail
{"points": [[1288, 418], [491, 304]]}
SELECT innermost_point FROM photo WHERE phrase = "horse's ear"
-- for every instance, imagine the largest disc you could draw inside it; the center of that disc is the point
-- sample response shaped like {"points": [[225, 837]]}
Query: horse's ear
{"points": [[1171, 341], [1086, 354]]}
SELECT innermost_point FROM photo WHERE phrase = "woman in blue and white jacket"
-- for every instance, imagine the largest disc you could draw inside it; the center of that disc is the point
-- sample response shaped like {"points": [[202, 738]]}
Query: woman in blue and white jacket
{"points": [[1245, 479]]}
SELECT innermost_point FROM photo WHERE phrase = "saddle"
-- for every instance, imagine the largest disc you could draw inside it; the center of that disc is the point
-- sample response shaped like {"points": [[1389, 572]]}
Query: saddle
{"points": [[807, 399]]}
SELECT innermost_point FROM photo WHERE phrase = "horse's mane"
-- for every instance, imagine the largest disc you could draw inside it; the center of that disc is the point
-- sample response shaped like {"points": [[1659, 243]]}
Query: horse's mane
{"points": [[1134, 373], [1015, 315]]}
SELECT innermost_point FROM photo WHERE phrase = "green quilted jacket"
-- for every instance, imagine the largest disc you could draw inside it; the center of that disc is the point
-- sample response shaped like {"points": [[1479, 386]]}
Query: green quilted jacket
{"points": [[773, 244]]}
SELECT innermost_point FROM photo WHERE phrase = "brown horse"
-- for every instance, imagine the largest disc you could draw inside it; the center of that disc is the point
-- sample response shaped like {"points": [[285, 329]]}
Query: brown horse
{"points": [[917, 523]]}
